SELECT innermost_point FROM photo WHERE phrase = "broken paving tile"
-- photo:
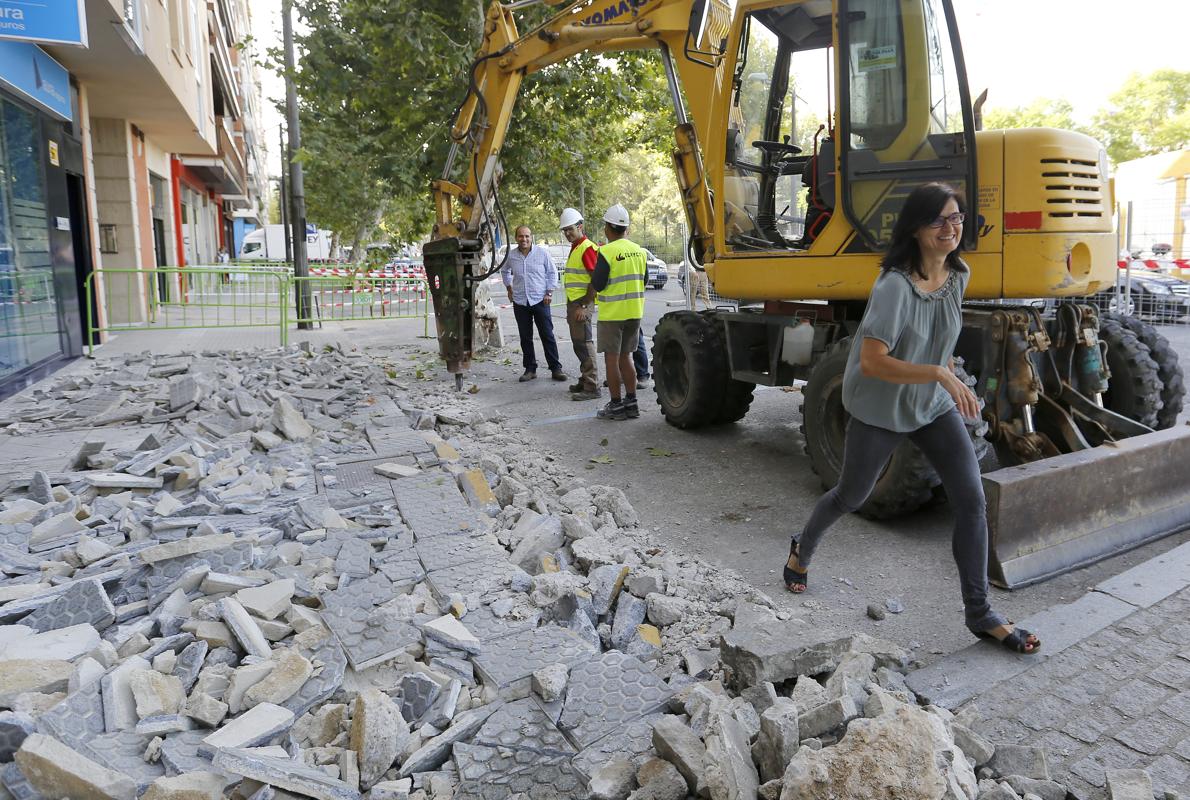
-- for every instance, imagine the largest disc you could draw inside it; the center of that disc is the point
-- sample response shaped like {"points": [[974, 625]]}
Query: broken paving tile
{"points": [[632, 742], [85, 602], [360, 593], [77, 719], [442, 553], [487, 773], [390, 443], [477, 577], [522, 725], [368, 635], [605, 693], [354, 559], [512, 659]]}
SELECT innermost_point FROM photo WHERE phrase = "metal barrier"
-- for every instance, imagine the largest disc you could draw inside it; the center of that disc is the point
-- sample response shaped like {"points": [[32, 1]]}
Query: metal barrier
{"points": [[363, 296], [241, 296], [1160, 298]]}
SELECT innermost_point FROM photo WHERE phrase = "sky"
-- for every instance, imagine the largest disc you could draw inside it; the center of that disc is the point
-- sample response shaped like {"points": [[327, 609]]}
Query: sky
{"points": [[1019, 50]]}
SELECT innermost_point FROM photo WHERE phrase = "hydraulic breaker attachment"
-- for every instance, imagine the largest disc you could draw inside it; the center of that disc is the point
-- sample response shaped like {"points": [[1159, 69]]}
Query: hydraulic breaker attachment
{"points": [[448, 264], [1068, 511]]}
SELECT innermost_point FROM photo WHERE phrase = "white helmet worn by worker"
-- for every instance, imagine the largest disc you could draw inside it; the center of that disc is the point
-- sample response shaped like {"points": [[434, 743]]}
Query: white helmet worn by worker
{"points": [[570, 216], [617, 215]]}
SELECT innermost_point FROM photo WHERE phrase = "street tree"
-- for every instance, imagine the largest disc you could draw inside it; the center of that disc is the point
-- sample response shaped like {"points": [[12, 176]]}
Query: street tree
{"points": [[1149, 114]]}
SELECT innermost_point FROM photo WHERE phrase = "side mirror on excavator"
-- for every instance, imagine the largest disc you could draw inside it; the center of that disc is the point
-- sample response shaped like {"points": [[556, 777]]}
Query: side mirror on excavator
{"points": [[696, 31]]}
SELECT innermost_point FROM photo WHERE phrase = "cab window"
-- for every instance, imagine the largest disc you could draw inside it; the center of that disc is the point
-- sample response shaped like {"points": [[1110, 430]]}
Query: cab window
{"points": [[780, 103]]}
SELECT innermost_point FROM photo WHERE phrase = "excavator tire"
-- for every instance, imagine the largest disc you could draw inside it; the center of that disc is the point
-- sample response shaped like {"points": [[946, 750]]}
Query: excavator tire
{"points": [[1134, 389], [1173, 381], [908, 481], [690, 369], [737, 395]]}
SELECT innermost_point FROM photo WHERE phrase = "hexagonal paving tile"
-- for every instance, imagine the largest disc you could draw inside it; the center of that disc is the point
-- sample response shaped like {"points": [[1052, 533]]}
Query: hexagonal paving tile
{"points": [[354, 559], [321, 686], [369, 635], [83, 602], [392, 442], [360, 593], [605, 693], [17, 784], [440, 553], [514, 658], [477, 577], [77, 719], [522, 725], [488, 773], [486, 626], [633, 742], [124, 752]]}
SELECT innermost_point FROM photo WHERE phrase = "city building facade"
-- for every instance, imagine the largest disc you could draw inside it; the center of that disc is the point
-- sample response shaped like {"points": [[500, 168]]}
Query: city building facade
{"points": [[129, 142]]}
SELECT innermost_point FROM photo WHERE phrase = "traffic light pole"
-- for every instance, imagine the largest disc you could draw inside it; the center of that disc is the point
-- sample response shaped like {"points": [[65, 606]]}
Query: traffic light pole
{"points": [[297, 189]]}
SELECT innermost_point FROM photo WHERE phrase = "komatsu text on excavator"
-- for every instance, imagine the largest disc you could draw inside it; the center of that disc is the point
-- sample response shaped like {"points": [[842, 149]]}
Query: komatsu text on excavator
{"points": [[791, 180]]}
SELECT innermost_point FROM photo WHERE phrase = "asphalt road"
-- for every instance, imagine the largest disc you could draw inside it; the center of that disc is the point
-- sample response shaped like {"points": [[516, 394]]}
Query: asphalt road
{"points": [[733, 495]]}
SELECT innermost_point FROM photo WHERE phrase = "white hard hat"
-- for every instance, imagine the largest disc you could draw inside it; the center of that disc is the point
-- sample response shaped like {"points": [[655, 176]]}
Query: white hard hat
{"points": [[617, 215], [570, 216]]}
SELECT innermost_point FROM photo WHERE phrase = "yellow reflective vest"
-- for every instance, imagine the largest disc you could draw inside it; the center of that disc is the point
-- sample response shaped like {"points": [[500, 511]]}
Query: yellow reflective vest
{"points": [[624, 296], [577, 280]]}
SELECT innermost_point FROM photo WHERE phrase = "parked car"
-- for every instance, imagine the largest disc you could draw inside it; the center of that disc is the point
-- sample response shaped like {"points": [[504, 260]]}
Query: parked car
{"points": [[1153, 296], [656, 273]]}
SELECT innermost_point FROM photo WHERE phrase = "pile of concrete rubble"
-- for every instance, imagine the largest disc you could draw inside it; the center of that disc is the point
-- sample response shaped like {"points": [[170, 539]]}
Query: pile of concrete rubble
{"points": [[294, 573]]}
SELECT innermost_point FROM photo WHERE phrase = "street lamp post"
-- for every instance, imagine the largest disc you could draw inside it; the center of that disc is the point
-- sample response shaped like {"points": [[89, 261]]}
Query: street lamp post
{"points": [[297, 187]]}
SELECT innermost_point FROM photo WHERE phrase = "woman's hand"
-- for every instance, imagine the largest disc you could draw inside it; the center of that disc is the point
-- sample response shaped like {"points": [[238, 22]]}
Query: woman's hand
{"points": [[964, 399]]}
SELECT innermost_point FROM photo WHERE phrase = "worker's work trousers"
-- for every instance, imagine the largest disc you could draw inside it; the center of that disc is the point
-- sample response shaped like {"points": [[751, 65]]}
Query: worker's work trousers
{"points": [[582, 337], [947, 445]]}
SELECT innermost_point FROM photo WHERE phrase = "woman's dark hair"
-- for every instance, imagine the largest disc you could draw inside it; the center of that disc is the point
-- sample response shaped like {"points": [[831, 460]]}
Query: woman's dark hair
{"points": [[922, 206]]}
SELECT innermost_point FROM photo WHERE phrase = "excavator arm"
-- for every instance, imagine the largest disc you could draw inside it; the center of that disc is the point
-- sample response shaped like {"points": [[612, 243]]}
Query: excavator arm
{"points": [[690, 35]]}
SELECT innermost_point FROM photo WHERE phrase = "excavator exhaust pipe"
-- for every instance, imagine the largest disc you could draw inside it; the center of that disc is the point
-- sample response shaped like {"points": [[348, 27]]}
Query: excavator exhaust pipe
{"points": [[1069, 511]]}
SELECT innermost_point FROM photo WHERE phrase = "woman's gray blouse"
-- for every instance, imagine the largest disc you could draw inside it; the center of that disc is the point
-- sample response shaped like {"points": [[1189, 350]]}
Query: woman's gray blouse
{"points": [[917, 327]]}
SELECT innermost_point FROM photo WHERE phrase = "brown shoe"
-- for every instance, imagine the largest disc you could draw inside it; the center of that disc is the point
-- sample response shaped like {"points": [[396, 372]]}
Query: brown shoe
{"points": [[528, 376], [559, 375]]}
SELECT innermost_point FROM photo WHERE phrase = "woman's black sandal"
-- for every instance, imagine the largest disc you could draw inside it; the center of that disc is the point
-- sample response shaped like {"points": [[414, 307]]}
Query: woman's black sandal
{"points": [[794, 577], [1017, 641]]}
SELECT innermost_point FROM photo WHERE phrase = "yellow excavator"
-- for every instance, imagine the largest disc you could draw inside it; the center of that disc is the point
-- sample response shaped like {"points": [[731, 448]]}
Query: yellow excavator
{"points": [[791, 181]]}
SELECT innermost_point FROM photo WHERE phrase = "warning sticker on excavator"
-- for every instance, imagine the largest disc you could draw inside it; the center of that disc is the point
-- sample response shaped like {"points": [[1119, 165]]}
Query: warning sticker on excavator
{"points": [[873, 59]]}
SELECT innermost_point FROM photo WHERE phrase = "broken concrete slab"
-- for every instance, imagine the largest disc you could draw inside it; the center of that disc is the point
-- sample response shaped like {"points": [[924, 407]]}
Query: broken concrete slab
{"points": [[55, 770]]}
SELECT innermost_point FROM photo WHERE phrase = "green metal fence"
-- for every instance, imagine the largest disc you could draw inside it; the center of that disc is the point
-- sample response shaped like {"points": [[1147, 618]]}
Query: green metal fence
{"points": [[242, 296], [363, 296]]}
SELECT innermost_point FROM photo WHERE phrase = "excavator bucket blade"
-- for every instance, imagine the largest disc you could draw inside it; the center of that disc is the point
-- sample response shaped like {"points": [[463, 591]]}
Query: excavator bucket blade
{"points": [[1069, 511], [446, 267]]}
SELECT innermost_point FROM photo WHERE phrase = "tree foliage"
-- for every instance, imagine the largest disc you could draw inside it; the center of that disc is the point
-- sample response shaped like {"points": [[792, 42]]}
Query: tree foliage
{"points": [[1149, 114], [379, 81]]}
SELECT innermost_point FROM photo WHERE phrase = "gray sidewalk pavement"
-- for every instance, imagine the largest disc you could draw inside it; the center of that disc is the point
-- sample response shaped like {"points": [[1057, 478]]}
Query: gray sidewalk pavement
{"points": [[1109, 690]]}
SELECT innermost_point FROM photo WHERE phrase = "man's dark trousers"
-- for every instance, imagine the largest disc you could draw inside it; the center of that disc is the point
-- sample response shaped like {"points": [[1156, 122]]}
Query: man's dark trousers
{"points": [[525, 317], [640, 357]]}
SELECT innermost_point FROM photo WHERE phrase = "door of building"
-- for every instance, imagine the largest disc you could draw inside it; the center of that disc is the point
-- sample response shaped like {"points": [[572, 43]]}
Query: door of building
{"points": [[80, 233]]}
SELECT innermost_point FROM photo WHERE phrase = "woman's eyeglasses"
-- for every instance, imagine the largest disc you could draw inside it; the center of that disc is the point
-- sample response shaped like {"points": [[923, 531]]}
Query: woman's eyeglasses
{"points": [[954, 219]]}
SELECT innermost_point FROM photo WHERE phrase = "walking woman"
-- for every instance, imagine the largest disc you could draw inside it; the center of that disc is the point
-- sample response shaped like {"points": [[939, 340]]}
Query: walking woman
{"points": [[899, 384]]}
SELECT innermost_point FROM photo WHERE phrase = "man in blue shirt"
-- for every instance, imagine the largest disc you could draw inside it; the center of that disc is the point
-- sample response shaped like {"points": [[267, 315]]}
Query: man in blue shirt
{"points": [[530, 276]]}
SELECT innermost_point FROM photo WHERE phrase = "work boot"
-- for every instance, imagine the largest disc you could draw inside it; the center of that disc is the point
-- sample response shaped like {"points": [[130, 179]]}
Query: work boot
{"points": [[642, 383], [575, 387], [528, 376], [586, 394], [631, 409], [613, 410], [558, 375]]}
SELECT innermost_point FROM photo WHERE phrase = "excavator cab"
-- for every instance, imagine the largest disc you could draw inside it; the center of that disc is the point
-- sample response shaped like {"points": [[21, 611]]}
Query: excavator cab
{"points": [[835, 111]]}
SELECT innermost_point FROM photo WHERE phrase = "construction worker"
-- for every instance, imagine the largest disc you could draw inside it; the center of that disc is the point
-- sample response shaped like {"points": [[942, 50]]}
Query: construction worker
{"points": [[618, 288], [577, 280]]}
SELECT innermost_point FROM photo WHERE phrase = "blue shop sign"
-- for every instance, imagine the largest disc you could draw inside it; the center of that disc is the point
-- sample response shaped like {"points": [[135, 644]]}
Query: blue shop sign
{"points": [[50, 21], [27, 70]]}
